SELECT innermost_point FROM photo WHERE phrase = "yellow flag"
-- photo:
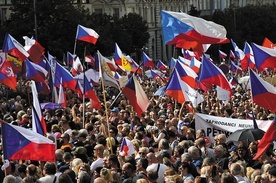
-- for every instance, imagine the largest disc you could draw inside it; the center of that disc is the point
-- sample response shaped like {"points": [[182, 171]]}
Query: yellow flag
{"points": [[126, 64]]}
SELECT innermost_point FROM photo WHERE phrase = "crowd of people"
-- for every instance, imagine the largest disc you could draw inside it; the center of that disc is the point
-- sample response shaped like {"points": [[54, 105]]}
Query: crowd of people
{"points": [[88, 146]]}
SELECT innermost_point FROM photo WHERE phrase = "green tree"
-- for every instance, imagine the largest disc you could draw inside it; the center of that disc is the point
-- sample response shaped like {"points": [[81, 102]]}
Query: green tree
{"points": [[134, 33], [193, 11], [57, 22]]}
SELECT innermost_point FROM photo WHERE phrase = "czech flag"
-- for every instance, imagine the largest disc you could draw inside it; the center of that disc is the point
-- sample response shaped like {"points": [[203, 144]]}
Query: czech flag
{"points": [[161, 65], [33, 74], [186, 74], [154, 75], [181, 91], [37, 108], [210, 74], [222, 54], [127, 148], [67, 78], [195, 64], [267, 140], [86, 34], [239, 54], [191, 32], [36, 123], [89, 93], [23, 144], [136, 95], [250, 61], [34, 48], [263, 93], [147, 61], [264, 57], [7, 76], [70, 58], [234, 68], [14, 48], [77, 66], [61, 96], [172, 62], [232, 55]]}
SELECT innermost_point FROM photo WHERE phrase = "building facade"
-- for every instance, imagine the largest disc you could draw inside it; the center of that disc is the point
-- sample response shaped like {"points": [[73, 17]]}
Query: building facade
{"points": [[150, 11]]}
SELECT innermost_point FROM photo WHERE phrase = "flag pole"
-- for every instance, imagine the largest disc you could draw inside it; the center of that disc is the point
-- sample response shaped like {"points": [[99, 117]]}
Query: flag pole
{"points": [[75, 45], [106, 111], [83, 97]]}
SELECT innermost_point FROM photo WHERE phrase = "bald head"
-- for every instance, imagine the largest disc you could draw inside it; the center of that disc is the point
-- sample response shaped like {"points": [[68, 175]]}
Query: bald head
{"points": [[99, 180], [151, 158]]}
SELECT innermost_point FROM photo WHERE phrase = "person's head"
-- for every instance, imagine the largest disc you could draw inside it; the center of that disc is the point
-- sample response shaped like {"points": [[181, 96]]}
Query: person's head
{"points": [[83, 177], [184, 168], [106, 174], [22, 170], [151, 158], [98, 150], [219, 151], [235, 169], [227, 177], [152, 175], [194, 152], [200, 133], [272, 173], [142, 164], [9, 179], [143, 151], [178, 151], [31, 170], [128, 170], [50, 168], [64, 178], [64, 138], [100, 180]]}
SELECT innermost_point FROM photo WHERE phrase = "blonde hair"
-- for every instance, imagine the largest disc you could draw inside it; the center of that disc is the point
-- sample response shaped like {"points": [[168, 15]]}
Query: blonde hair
{"points": [[106, 174], [142, 181]]}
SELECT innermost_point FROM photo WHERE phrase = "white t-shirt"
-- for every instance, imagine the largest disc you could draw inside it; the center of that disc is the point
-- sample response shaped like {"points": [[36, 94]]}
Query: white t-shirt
{"points": [[161, 171], [95, 164]]}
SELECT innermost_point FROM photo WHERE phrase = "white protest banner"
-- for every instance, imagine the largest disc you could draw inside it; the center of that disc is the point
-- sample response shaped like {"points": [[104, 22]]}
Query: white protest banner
{"points": [[214, 125], [222, 94]]}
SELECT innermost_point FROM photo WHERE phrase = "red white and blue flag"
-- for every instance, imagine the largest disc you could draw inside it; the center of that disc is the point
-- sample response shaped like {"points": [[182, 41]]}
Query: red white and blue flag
{"points": [[127, 148], [86, 34], [250, 60], [186, 74], [147, 61], [264, 57], [61, 96], [23, 144], [14, 48], [263, 93], [136, 95], [188, 32], [210, 75], [160, 65], [222, 54], [89, 93], [67, 79]]}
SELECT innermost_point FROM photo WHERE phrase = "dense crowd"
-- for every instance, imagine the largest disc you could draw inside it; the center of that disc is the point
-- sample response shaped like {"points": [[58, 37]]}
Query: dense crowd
{"points": [[88, 147]]}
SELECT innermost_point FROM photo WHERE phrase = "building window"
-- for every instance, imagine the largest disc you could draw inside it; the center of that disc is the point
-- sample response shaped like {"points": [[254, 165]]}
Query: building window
{"points": [[3, 15], [98, 11], [116, 12]]}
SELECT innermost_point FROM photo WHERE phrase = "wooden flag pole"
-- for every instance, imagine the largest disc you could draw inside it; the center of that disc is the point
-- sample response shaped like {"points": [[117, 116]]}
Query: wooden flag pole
{"points": [[105, 106]]}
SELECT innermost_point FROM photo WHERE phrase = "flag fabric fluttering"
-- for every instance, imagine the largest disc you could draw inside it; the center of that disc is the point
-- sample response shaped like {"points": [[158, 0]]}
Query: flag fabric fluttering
{"points": [[77, 66], [23, 144], [106, 73], [154, 75], [121, 60], [33, 74], [36, 122], [211, 74], [67, 78], [160, 65], [7, 76], [222, 54], [232, 55], [267, 43], [264, 57], [136, 95], [263, 93], [35, 50], [186, 74], [147, 61], [239, 54], [89, 93], [181, 91], [234, 68], [250, 60], [69, 58], [14, 48], [61, 95], [86, 34], [37, 108], [267, 140], [127, 148], [188, 32]]}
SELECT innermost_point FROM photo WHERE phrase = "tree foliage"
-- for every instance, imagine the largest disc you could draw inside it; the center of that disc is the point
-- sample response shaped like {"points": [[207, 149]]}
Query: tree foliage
{"points": [[57, 22]]}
